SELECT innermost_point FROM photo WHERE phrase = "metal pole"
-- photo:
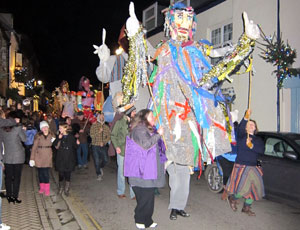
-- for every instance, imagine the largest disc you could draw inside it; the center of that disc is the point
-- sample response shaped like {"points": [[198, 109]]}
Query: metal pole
{"points": [[278, 90]]}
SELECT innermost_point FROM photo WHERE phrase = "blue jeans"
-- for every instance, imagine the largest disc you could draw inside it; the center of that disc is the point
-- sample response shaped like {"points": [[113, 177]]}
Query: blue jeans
{"points": [[82, 160], [121, 178], [100, 157], [44, 175], [1, 168]]}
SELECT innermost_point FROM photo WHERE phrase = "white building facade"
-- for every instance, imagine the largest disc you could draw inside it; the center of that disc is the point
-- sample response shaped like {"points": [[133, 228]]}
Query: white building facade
{"points": [[221, 23]]}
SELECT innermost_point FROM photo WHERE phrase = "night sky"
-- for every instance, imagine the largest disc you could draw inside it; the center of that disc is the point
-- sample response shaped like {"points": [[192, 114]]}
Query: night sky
{"points": [[63, 32]]}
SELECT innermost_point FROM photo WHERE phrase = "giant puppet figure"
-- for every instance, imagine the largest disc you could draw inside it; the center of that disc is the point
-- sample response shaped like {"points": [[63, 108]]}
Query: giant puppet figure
{"points": [[187, 100], [186, 93]]}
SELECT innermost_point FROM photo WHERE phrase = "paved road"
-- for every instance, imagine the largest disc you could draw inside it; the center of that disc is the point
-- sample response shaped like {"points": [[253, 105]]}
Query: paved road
{"points": [[207, 210], [30, 214]]}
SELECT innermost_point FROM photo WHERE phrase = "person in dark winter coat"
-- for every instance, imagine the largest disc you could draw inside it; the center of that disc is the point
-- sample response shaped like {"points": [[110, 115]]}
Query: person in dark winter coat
{"points": [[144, 165], [65, 161], [3, 122], [14, 157]]}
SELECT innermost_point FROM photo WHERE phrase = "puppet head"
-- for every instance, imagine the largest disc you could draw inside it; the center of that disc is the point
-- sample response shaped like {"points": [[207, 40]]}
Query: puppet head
{"points": [[180, 22]]}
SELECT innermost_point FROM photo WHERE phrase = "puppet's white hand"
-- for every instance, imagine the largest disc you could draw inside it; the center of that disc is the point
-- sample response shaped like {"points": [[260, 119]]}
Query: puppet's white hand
{"points": [[251, 29], [102, 51], [132, 24]]}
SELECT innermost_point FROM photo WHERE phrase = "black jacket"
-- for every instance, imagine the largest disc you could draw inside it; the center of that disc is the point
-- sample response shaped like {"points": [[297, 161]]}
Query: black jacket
{"points": [[65, 160]]}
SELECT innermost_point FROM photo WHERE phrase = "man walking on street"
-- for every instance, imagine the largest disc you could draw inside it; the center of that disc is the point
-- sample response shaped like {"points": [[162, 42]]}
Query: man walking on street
{"points": [[82, 136], [100, 134]]}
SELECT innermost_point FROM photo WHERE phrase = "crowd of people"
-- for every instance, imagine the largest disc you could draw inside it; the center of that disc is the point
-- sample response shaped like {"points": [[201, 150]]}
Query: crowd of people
{"points": [[44, 141]]}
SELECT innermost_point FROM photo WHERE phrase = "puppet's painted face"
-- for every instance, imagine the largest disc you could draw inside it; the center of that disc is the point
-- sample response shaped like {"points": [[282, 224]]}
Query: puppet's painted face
{"points": [[181, 29]]}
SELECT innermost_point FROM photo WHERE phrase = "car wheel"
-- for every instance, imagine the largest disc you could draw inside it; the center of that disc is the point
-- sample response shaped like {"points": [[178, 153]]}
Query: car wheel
{"points": [[214, 178]]}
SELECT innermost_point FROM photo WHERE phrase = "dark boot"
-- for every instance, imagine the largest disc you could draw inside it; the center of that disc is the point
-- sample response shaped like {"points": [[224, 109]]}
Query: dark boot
{"points": [[232, 203], [173, 215], [67, 188], [60, 187], [247, 209]]}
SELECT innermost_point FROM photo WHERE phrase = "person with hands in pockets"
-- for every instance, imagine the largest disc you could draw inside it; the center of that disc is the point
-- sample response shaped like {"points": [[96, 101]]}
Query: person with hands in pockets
{"points": [[65, 161], [41, 156]]}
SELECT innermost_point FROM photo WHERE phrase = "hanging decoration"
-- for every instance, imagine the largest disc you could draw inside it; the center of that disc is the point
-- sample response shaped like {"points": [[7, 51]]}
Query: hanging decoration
{"points": [[281, 55], [135, 70]]}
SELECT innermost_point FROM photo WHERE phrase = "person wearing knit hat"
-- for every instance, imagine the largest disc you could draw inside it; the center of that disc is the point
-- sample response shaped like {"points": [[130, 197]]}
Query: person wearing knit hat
{"points": [[41, 156], [129, 111], [44, 124]]}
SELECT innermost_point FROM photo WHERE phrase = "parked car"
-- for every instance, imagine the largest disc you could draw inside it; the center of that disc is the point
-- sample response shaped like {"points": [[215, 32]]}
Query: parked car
{"points": [[280, 163]]}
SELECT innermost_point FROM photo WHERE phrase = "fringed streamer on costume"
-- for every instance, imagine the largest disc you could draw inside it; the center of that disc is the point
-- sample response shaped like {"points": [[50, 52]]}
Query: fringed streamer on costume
{"points": [[196, 149], [230, 62], [135, 71], [186, 79], [159, 99], [153, 74], [199, 157]]}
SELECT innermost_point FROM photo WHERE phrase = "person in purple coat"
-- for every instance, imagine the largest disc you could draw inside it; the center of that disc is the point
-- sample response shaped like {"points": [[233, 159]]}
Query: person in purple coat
{"points": [[144, 165]]}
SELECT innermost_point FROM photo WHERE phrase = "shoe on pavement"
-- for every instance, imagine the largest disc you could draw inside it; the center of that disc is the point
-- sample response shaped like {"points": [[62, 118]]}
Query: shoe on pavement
{"points": [[182, 213], [85, 166], [140, 226], [99, 178], [4, 227], [173, 215], [153, 225], [101, 172], [247, 209], [122, 196]]}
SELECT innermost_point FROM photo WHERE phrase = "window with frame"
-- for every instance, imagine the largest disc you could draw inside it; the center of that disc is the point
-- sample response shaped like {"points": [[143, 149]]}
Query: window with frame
{"points": [[150, 17], [221, 37], [185, 2], [275, 147]]}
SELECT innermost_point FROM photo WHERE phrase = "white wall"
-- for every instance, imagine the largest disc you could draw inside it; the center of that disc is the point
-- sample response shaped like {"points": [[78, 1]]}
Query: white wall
{"points": [[264, 90]]}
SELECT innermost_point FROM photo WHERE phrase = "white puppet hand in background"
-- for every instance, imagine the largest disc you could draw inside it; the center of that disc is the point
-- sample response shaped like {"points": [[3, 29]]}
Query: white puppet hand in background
{"points": [[102, 51], [251, 29], [132, 24]]}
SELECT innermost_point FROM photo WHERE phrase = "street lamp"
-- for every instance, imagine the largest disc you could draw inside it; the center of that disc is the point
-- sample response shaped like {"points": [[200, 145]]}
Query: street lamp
{"points": [[39, 82], [119, 50]]}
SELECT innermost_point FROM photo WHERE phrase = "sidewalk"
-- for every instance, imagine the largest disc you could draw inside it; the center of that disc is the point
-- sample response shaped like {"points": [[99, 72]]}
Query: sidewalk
{"points": [[38, 211]]}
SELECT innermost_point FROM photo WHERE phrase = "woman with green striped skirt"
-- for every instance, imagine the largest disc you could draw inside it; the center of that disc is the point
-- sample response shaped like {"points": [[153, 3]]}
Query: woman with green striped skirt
{"points": [[246, 177]]}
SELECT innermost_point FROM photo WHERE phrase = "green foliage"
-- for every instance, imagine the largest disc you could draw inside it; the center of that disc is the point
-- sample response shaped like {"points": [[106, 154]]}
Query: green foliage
{"points": [[280, 55]]}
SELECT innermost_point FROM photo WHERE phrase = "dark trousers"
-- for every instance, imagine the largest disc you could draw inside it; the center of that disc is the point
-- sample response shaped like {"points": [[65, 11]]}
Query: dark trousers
{"points": [[13, 179], [64, 176], [100, 157], [145, 205], [43, 175], [226, 167], [27, 153]]}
